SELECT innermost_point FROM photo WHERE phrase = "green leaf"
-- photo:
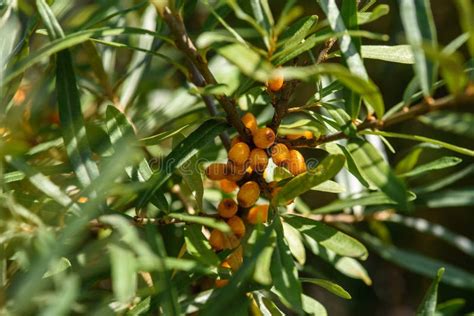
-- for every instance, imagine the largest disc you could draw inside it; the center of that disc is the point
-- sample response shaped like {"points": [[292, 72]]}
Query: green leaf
{"points": [[377, 171], [419, 28], [298, 32], [454, 122], [447, 198], [198, 247], [284, 272], [61, 265], [346, 265], [376, 13], [266, 305], [438, 164], [428, 305], [158, 138], [295, 243], [330, 286], [450, 307], [444, 182], [396, 54], [206, 221], [329, 186], [364, 87], [409, 161], [124, 274], [182, 152], [313, 307], [466, 9], [248, 61], [418, 263], [332, 239], [368, 199], [327, 169], [455, 148], [422, 225]]}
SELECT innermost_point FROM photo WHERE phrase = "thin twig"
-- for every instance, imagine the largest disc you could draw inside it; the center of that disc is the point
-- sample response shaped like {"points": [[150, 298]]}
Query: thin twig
{"points": [[323, 55]]}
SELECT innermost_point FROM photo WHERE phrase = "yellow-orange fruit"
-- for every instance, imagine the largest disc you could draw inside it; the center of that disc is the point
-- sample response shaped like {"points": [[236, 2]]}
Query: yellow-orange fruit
{"points": [[227, 208], [248, 194], [237, 226], [235, 140], [258, 214], [225, 264], [275, 83], [280, 154], [250, 122], [258, 159], [216, 239], [228, 186], [216, 171], [221, 283], [236, 258], [305, 134], [264, 137], [235, 172], [296, 164], [239, 153]]}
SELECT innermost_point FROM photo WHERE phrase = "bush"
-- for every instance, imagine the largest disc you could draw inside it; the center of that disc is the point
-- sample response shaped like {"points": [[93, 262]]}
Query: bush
{"points": [[204, 157]]}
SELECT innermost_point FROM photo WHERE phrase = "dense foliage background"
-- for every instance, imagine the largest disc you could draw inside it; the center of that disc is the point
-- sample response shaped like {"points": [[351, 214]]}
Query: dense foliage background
{"points": [[107, 125]]}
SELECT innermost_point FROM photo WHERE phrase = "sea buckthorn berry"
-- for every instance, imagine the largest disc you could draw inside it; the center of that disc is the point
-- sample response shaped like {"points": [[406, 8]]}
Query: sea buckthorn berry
{"points": [[235, 140], [258, 159], [305, 134], [227, 186], [280, 154], [296, 164], [248, 194], [216, 239], [221, 283], [258, 214], [264, 137], [227, 208], [239, 153], [225, 264], [216, 171], [237, 226], [250, 122], [235, 172], [275, 83], [236, 258]]}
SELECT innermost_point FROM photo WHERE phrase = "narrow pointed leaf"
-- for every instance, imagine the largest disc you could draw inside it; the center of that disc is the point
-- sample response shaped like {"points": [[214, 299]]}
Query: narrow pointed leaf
{"points": [[428, 306]]}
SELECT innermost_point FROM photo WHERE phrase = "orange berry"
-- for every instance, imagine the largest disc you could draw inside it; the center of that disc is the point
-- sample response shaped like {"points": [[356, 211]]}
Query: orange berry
{"points": [[250, 122], [305, 134], [225, 264], [275, 83], [216, 239], [235, 172], [227, 208], [280, 154], [258, 214], [264, 137], [296, 165], [227, 186], [258, 159], [236, 258], [248, 194], [216, 171], [221, 283], [239, 153], [235, 140], [237, 226]]}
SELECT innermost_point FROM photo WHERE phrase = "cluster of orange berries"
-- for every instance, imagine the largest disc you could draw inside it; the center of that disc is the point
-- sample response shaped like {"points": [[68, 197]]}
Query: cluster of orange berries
{"points": [[245, 159]]}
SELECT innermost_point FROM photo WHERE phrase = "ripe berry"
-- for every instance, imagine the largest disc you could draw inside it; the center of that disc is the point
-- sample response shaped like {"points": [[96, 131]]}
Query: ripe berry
{"points": [[280, 154], [275, 83], [258, 214], [305, 134], [258, 159], [227, 208], [296, 164], [250, 122], [235, 140], [235, 259], [221, 283], [235, 172], [239, 153], [216, 171], [228, 186], [216, 239], [248, 194], [264, 137], [237, 226]]}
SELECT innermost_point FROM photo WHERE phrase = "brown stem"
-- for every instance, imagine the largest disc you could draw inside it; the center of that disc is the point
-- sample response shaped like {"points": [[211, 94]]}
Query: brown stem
{"points": [[324, 53], [185, 44], [413, 112]]}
